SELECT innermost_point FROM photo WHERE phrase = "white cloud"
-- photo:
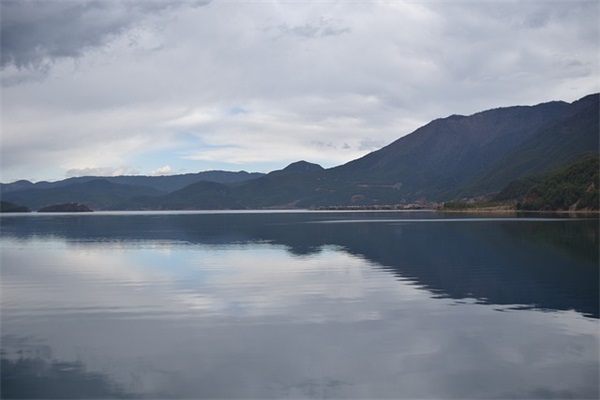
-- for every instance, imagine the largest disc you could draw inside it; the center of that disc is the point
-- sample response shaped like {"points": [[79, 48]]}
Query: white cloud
{"points": [[101, 171], [164, 170], [240, 83]]}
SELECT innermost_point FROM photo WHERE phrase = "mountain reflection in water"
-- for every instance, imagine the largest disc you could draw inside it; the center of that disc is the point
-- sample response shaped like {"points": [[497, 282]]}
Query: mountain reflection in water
{"points": [[33, 373], [527, 262]]}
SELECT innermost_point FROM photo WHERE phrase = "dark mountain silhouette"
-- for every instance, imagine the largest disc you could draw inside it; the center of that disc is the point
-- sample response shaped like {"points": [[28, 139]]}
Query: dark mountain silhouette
{"points": [[15, 186], [449, 158], [298, 168], [166, 183], [9, 207], [98, 194], [197, 196]]}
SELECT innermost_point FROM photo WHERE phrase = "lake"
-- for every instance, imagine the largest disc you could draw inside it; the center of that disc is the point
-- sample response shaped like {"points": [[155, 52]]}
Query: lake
{"points": [[299, 305]]}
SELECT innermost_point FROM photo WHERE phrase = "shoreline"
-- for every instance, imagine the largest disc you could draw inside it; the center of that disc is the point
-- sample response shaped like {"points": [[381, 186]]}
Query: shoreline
{"points": [[515, 211]]}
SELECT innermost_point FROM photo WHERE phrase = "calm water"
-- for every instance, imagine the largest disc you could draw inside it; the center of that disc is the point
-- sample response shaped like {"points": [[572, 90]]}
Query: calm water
{"points": [[298, 305]]}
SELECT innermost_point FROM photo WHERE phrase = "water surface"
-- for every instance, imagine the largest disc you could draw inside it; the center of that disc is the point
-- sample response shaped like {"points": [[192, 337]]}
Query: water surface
{"points": [[298, 305]]}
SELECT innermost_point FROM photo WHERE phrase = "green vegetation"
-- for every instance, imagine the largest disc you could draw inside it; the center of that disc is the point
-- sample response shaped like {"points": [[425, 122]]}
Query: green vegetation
{"points": [[517, 189], [571, 188], [575, 187], [478, 205]]}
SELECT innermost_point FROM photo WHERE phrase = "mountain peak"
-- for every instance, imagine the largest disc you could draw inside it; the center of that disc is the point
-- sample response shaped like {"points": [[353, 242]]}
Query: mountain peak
{"points": [[302, 167]]}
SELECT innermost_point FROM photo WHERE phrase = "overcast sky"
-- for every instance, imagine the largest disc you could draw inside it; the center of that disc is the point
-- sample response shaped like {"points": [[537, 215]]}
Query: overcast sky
{"points": [[164, 87]]}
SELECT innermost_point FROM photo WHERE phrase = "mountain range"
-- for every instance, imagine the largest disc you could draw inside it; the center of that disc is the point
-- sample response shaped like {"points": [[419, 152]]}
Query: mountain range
{"points": [[450, 158]]}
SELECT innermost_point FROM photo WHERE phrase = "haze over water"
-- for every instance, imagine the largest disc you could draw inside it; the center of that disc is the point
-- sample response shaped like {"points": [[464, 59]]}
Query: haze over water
{"points": [[298, 305]]}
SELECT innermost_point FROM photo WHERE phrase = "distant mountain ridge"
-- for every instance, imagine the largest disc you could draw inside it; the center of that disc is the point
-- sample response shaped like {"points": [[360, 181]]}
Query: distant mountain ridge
{"points": [[163, 183], [98, 194], [111, 192], [449, 158]]}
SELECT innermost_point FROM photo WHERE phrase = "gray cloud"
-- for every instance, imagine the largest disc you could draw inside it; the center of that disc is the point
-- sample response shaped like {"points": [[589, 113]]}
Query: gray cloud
{"points": [[319, 143], [370, 145], [318, 29], [33, 33]]}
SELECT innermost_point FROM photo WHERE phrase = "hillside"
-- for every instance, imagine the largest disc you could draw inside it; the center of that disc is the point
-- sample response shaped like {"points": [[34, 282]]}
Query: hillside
{"points": [[114, 193], [98, 194], [438, 160], [7, 207], [574, 187], [546, 149], [165, 184]]}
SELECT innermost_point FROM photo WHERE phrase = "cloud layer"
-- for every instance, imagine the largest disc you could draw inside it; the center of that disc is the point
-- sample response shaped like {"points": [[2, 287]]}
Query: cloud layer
{"points": [[136, 86]]}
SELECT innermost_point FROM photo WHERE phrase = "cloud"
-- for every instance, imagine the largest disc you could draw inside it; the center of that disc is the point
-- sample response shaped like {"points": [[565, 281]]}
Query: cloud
{"points": [[261, 84], [34, 33], [369, 144], [101, 171], [164, 170], [318, 29]]}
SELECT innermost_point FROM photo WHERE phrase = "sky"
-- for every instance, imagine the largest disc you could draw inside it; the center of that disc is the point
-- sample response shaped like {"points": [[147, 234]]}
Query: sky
{"points": [[109, 87]]}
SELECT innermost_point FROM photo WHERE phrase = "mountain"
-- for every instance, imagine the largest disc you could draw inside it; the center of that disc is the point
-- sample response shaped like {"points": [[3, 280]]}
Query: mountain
{"points": [[298, 168], [165, 184], [572, 187], [278, 189], [6, 206], [449, 158], [118, 192], [15, 186], [446, 157], [197, 196], [98, 194], [548, 148]]}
